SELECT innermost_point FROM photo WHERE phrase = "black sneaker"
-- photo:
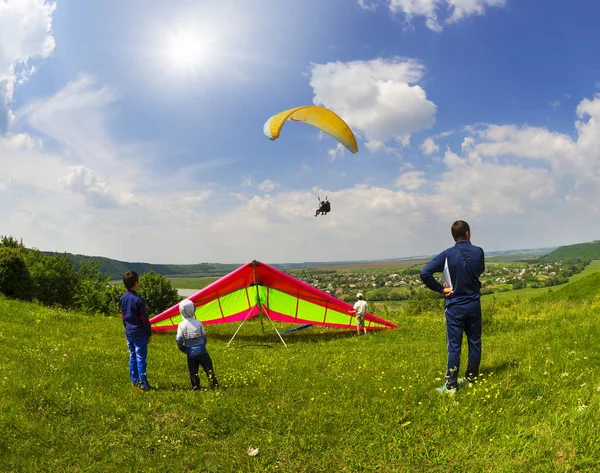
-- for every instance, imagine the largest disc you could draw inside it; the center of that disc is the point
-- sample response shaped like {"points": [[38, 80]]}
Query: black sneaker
{"points": [[146, 387]]}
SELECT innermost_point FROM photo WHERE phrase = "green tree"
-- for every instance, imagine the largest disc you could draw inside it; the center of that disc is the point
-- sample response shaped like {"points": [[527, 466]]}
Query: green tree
{"points": [[92, 294], [54, 278], [158, 292], [15, 280], [7, 241]]}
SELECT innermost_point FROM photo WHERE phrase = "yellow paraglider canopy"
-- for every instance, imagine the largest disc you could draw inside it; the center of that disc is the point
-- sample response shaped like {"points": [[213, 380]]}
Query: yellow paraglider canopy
{"points": [[319, 117]]}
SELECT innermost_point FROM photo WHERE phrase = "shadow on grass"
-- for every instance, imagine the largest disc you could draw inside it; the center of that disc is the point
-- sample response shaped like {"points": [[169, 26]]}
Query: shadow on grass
{"points": [[501, 367], [185, 386], [270, 339]]}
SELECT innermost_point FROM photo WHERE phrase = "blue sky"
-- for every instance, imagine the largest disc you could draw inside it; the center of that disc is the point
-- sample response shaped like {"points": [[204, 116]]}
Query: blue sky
{"points": [[133, 130]]}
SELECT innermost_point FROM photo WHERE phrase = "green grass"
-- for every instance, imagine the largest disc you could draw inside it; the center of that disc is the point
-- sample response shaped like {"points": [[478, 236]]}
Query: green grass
{"points": [[330, 402], [191, 283], [529, 292]]}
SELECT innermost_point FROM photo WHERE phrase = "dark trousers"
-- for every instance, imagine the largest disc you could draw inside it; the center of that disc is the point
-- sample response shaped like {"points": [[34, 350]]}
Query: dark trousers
{"points": [[194, 363], [463, 318]]}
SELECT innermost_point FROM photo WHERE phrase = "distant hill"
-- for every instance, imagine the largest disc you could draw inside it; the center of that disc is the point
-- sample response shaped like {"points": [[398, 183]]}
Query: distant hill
{"points": [[518, 255], [115, 268], [589, 250]]}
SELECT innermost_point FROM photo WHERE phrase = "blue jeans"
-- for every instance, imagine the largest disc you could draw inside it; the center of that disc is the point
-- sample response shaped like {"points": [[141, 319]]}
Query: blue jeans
{"points": [[138, 351], [464, 318]]}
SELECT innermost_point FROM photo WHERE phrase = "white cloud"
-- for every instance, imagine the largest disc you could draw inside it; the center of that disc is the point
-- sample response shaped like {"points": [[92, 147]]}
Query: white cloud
{"points": [[75, 118], [268, 185], [434, 11], [304, 167], [20, 141], [246, 182], [82, 180], [373, 146], [380, 98], [336, 152], [429, 146], [411, 180], [25, 34], [555, 104]]}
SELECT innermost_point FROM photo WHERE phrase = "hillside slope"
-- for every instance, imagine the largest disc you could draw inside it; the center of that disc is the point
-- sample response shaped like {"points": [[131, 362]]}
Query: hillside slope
{"points": [[589, 250]]}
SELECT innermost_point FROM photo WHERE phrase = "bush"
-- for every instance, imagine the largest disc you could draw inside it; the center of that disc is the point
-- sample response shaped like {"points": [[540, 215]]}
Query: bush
{"points": [[93, 292], [425, 300], [15, 280], [158, 293], [54, 278]]}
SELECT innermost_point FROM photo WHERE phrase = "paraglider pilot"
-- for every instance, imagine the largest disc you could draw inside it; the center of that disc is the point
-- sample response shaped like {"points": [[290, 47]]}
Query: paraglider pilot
{"points": [[324, 207]]}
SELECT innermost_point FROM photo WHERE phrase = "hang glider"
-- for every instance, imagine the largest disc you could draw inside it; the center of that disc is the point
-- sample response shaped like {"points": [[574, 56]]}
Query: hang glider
{"points": [[257, 288]]}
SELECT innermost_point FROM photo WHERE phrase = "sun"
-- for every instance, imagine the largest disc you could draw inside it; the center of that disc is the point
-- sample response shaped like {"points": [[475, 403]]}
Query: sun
{"points": [[187, 51]]}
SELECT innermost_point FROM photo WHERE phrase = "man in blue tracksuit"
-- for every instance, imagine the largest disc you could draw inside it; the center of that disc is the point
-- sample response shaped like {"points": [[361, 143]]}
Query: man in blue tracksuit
{"points": [[461, 265]]}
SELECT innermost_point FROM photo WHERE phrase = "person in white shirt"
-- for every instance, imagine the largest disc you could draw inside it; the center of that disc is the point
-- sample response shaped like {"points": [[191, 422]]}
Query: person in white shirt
{"points": [[360, 310], [191, 340]]}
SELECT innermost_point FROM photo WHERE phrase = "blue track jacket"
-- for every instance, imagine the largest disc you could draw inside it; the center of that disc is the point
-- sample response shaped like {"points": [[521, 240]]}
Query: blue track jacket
{"points": [[134, 315], [464, 272]]}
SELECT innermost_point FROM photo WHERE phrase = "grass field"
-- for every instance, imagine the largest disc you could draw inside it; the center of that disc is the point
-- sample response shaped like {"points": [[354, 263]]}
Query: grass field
{"points": [[191, 283], [330, 402]]}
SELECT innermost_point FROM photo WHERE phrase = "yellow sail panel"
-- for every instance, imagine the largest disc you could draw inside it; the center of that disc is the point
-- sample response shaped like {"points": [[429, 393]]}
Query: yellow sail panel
{"points": [[319, 117]]}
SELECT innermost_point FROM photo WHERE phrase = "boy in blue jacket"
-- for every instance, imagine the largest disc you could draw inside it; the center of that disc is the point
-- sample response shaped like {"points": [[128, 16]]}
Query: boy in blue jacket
{"points": [[191, 340], [461, 266], [137, 330]]}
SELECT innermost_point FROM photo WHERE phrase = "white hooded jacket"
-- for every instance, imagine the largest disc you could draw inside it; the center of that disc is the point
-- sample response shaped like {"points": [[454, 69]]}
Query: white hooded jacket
{"points": [[191, 336]]}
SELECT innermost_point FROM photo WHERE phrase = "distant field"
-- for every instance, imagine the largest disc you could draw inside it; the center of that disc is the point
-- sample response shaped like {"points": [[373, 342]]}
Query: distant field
{"points": [[372, 265], [529, 292], [191, 283]]}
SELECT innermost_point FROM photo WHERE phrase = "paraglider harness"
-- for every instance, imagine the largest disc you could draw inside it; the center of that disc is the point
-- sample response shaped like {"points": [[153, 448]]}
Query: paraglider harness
{"points": [[324, 207]]}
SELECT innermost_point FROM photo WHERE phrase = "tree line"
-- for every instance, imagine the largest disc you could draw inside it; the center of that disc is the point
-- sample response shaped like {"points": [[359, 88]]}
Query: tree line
{"points": [[53, 280]]}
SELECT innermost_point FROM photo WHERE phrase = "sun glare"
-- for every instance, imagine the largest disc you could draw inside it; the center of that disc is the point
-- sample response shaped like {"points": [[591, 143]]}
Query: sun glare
{"points": [[187, 51]]}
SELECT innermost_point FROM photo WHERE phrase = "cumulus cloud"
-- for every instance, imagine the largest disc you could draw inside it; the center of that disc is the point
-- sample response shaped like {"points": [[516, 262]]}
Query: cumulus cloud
{"points": [[268, 185], [434, 11], [26, 27], [336, 152], [380, 98], [82, 180], [411, 180], [429, 146]]}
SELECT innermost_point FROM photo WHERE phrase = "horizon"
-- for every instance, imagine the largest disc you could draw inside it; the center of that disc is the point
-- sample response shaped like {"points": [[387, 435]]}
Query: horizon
{"points": [[391, 259], [136, 131]]}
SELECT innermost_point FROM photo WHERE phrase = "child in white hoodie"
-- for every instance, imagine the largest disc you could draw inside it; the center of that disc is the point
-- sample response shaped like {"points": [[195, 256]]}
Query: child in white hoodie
{"points": [[191, 340]]}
